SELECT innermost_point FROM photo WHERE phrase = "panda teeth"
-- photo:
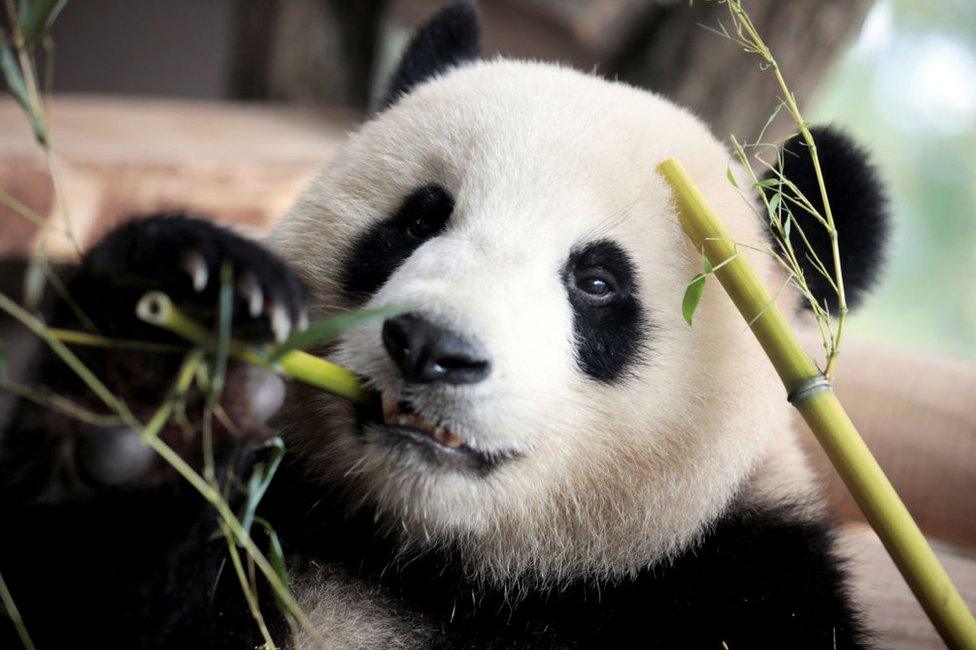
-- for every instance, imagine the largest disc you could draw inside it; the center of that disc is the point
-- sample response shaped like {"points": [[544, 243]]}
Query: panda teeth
{"points": [[393, 415], [447, 438], [389, 408]]}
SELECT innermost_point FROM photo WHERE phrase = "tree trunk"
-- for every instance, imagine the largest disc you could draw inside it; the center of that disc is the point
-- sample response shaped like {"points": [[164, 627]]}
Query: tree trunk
{"points": [[671, 52], [324, 50], [306, 51]]}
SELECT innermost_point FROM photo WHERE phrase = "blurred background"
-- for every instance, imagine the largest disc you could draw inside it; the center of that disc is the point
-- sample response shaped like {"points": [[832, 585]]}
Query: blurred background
{"points": [[266, 89], [226, 107]]}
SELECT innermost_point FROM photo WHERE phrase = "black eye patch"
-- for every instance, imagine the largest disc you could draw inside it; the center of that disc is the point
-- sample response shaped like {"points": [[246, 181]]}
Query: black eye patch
{"points": [[379, 251], [609, 331]]}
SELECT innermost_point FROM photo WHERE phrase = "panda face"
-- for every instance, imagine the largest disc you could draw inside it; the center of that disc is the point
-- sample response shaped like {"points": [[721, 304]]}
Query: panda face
{"points": [[545, 405]]}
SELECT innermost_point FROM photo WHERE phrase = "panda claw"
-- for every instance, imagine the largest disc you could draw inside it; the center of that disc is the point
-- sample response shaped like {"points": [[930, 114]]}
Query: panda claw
{"points": [[196, 267], [280, 323], [250, 289], [302, 323]]}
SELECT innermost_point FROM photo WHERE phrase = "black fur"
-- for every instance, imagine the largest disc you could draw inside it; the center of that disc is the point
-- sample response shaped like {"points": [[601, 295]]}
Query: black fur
{"points": [[139, 566], [449, 38], [123, 569], [757, 579], [859, 208], [610, 337], [379, 251], [140, 570], [130, 564], [148, 253]]}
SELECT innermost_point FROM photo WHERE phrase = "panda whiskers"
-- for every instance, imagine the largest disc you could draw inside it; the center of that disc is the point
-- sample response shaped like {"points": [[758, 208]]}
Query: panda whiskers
{"points": [[356, 467], [615, 218]]}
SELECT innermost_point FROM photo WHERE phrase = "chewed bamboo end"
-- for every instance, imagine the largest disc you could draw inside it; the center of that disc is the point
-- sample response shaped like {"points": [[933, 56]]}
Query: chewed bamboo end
{"points": [[154, 307]]}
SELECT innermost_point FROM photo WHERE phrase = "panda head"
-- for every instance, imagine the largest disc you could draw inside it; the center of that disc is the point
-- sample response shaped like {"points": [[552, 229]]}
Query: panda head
{"points": [[547, 413]]}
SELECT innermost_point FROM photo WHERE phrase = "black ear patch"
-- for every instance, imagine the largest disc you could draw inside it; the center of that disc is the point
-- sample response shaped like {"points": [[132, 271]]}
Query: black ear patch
{"points": [[859, 207], [449, 38]]}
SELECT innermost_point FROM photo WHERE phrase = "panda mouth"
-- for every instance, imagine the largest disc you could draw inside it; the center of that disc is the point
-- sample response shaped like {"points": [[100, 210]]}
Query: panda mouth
{"points": [[401, 425], [400, 415]]}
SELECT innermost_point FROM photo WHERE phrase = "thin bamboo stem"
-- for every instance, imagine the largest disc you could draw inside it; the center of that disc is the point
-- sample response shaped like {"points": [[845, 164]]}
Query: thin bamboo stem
{"points": [[753, 42], [158, 309], [14, 614], [249, 594], [149, 436], [826, 417], [58, 403], [74, 337]]}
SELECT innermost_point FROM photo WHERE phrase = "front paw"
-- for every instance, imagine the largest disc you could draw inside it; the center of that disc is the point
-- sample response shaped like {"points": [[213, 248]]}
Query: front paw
{"points": [[183, 256]]}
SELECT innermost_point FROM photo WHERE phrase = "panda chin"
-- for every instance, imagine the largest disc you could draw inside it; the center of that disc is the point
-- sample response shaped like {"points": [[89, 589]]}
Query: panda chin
{"points": [[396, 424]]}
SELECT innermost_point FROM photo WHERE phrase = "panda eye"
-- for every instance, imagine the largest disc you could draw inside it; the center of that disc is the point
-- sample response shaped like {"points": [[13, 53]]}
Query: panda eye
{"points": [[420, 228], [424, 214], [596, 287]]}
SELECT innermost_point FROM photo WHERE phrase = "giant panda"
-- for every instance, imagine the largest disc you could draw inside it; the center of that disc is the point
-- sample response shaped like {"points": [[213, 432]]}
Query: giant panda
{"points": [[553, 459]]}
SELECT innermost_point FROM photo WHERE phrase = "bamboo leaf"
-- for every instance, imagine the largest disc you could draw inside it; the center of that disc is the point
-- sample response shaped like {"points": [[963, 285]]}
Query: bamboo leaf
{"points": [[329, 328], [729, 175], [11, 74], [695, 289], [769, 120], [275, 552], [706, 265], [18, 89], [225, 310], [36, 18], [259, 481], [693, 295]]}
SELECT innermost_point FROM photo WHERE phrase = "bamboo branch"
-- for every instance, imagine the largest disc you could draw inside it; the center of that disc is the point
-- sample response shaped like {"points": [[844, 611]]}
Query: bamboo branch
{"points": [[811, 393], [156, 308], [14, 614], [749, 38], [149, 436]]}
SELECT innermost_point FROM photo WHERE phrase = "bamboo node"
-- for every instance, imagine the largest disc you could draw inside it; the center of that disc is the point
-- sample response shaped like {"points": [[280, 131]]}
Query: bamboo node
{"points": [[807, 389]]}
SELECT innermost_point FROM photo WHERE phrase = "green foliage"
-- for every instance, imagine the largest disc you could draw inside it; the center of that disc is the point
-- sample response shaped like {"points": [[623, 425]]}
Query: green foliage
{"points": [[259, 481], [329, 328], [14, 77], [37, 17], [32, 24], [922, 143], [276, 554], [729, 175], [695, 289], [225, 310]]}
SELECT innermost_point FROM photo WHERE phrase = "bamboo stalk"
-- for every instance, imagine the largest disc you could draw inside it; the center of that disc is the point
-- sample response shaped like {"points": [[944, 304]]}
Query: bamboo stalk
{"points": [[149, 437], [156, 308], [14, 614], [811, 393], [74, 337]]}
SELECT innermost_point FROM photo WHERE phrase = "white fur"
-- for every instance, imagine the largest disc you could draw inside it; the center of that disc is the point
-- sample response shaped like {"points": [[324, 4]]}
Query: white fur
{"points": [[349, 614], [611, 477]]}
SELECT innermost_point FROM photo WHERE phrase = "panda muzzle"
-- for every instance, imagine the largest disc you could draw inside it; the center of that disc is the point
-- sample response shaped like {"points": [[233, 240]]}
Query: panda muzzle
{"points": [[400, 414]]}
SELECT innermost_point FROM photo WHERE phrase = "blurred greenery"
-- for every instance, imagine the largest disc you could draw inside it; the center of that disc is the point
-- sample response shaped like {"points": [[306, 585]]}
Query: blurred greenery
{"points": [[907, 88]]}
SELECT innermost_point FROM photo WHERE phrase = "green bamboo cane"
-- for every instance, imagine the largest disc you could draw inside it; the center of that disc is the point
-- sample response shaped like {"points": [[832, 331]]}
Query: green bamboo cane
{"points": [[157, 308], [811, 393]]}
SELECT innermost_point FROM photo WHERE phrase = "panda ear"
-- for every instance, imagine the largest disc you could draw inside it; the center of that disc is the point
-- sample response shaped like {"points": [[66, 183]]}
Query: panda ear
{"points": [[857, 203], [451, 37]]}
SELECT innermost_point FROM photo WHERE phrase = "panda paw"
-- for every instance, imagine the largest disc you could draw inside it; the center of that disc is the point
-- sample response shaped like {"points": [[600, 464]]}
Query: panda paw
{"points": [[183, 256]]}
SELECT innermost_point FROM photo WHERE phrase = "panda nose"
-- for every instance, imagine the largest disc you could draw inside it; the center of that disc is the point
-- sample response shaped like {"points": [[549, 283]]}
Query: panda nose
{"points": [[427, 353]]}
